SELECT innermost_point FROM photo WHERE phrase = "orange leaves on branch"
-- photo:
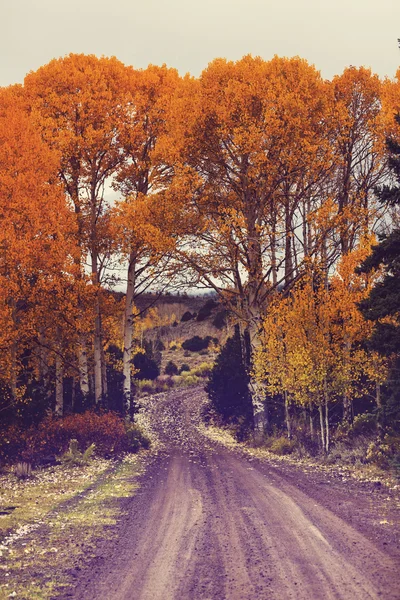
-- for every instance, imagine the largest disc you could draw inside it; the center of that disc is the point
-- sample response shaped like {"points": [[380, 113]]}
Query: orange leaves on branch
{"points": [[36, 230], [311, 342]]}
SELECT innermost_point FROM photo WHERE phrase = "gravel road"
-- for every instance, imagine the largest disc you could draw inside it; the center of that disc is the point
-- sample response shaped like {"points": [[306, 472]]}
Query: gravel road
{"points": [[210, 524]]}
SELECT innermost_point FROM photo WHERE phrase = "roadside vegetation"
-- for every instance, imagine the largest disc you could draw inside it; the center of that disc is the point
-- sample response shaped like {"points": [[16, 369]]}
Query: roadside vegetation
{"points": [[53, 521]]}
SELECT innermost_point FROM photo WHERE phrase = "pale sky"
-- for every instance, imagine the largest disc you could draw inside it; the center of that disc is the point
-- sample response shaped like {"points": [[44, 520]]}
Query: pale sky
{"points": [[188, 34]]}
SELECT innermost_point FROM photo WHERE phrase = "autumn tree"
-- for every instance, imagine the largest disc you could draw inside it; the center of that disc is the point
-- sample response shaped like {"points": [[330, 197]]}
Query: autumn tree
{"points": [[252, 146], [145, 222], [382, 306], [312, 348], [79, 103], [36, 242], [357, 131]]}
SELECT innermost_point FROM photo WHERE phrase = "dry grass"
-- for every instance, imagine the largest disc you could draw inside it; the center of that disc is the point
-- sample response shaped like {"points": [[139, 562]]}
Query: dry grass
{"points": [[60, 515]]}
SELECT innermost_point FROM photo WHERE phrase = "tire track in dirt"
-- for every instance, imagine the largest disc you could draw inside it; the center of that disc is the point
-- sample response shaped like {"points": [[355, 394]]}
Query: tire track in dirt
{"points": [[210, 525]]}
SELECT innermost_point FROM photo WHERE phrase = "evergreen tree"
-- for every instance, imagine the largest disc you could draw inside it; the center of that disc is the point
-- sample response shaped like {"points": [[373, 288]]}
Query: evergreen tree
{"points": [[227, 387], [384, 299]]}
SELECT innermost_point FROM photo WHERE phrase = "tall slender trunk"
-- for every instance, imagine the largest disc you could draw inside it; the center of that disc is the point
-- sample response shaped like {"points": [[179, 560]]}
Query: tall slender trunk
{"points": [[73, 394], [59, 408], [380, 422], [13, 380], [326, 396], [104, 373], [287, 416], [98, 382], [128, 333], [14, 353], [288, 243], [83, 368], [311, 422], [321, 422], [347, 412], [274, 267], [82, 344]]}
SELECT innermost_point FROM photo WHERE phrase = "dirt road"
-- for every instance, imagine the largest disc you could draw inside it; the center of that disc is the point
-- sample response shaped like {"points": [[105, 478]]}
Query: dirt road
{"points": [[210, 524]]}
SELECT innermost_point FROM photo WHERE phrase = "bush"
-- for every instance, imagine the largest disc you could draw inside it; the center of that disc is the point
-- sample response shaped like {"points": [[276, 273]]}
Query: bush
{"points": [[171, 368], [159, 345], [188, 380], [196, 343], [74, 457], [12, 443], [206, 309], [184, 367], [219, 321], [146, 386], [52, 437], [364, 424], [227, 387], [187, 316], [385, 453], [281, 445], [135, 438], [148, 368], [203, 370]]}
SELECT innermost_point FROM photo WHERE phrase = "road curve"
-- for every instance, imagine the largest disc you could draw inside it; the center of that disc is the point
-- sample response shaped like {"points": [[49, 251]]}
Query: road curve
{"points": [[210, 525]]}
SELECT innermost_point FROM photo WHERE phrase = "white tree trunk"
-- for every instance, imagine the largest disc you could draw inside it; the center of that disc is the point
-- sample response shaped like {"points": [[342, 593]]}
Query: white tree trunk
{"points": [[287, 416], [98, 376], [321, 422], [97, 344], [83, 369], [59, 408], [128, 333], [326, 394]]}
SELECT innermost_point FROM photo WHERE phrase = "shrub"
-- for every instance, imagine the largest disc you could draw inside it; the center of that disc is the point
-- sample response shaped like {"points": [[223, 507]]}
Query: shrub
{"points": [[105, 433], [148, 368], [187, 316], [281, 445], [188, 379], [171, 368], [196, 343], [159, 345], [184, 367], [219, 321], [227, 387], [203, 370], [206, 309], [73, 456], [12, 443], [145, 386], [135, 438], [385, 453], [364, 424]]}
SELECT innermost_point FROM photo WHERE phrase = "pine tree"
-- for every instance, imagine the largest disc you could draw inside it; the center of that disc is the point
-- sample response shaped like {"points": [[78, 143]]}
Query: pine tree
{"points": [[228, 386], [384, 300], [382, 306]]}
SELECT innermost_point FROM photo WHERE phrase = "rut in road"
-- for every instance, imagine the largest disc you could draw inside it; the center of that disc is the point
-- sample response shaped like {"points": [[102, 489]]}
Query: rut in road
{"points": [[211, 525]]}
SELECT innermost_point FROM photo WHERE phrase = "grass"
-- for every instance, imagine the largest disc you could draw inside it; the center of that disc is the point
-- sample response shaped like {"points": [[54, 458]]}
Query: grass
{"points": [[347, 468], [62, 514]]}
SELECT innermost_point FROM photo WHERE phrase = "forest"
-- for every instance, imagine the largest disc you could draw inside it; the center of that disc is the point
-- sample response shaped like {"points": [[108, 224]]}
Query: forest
{"points": [[259, 181]]}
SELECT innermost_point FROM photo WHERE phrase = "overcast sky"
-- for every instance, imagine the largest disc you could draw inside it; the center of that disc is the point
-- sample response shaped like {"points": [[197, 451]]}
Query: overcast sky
{"points": [[188, 34]]}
